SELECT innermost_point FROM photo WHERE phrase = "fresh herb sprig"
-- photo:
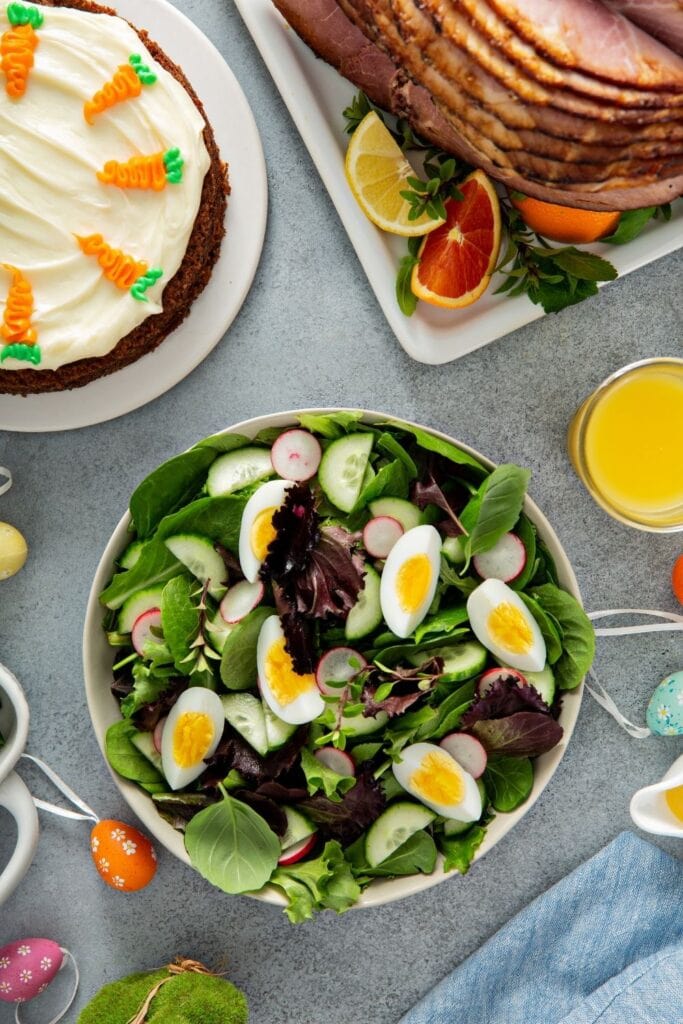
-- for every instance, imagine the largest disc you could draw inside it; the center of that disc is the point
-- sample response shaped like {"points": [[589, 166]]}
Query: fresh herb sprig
{"points": [[444, 175], [633, 222]]}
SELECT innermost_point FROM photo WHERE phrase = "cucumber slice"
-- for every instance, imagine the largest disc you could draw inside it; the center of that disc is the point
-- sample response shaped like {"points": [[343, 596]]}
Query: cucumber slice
{"points": [[393, 828], [453, 550], [144, 742], [359, 725], [129, 557], [139, 602], [235, 470], [245, 714], [277, 731], [198, 554], [453, 827], [342, 469], [460, 661], [218, 631], [404, 511], [366, 614], [298, 827]]}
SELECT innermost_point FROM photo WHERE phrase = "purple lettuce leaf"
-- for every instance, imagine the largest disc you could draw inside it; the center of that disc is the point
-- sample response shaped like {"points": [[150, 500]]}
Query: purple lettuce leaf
{"points": [[234, 752], [429, 492], [505, 697], [523, 734], [348, 819], [271, 812]]}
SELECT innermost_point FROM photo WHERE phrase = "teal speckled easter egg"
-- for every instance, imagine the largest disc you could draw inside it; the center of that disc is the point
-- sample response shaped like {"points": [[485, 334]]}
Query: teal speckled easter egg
{"points": [[665, 710]]}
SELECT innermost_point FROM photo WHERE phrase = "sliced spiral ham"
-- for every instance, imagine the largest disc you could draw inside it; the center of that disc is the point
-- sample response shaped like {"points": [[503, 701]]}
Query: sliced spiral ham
{"points": [[522, 102], [661, 18]]}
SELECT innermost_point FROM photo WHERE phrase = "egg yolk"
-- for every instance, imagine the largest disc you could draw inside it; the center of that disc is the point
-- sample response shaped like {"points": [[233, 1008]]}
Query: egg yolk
{"points": [[412, 582], [285, 684], [508, 628], [438, 780], [192, 737], [263, 533], [674, 798]]}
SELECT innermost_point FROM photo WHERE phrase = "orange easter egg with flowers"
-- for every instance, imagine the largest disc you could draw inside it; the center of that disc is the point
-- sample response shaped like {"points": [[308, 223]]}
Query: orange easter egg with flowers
{"points": [[124, 857]]}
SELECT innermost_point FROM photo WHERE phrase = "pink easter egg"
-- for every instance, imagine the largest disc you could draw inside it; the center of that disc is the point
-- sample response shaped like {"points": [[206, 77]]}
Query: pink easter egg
{"points": [[27, 967]]}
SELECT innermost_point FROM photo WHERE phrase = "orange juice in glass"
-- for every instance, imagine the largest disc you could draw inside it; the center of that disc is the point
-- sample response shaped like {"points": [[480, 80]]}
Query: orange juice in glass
{"points": [[626, 444]]}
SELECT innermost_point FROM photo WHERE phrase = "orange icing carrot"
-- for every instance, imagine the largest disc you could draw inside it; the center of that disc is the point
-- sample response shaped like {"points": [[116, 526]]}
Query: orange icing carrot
{"points": [[123, 86], [118, 267], [138, 172], [17, 47], [16, 325]]}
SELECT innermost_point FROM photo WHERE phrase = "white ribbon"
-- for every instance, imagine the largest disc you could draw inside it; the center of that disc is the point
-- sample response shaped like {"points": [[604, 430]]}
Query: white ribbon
{"points": [[673, 623], [61, 812], [68, 958], [4, 487]]}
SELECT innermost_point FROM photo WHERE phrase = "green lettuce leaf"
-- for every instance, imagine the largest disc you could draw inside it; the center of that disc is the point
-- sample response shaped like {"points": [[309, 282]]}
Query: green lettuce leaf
{"points": [[320, 777], [326, 883]]}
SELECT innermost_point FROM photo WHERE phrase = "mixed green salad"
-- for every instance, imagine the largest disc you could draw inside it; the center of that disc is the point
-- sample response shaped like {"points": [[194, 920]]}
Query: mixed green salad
{"points": [[340, 647]]}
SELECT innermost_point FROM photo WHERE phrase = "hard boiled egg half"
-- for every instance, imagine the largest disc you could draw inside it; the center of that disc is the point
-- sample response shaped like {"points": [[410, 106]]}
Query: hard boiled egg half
{"points": [[192, 732], [436, 779], [504, 625], [256, 529], [409, 579], [292, 697]]}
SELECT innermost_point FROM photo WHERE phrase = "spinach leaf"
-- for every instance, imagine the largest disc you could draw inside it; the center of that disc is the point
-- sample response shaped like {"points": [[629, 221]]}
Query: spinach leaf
{"points": [[168, 488], [526, 532], [231, 846], [387, 443], [180, 621], [390, 656], [417, 854], [224, 442], [435, 444], [149, 684], [548, 627], [218, 519], [238, 662], [508, 781], [494, 509], [125, 758], [332, 425], [545, 570], [447, 575], [449, 713], [390, 481], [324, 883], [459, 850], [156, 564], [444, 621], [319, 776], [578, 635]]}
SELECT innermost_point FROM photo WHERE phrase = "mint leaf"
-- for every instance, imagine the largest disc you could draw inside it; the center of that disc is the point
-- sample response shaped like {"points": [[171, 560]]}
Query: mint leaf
{"points": [[585, 266], [406, 298]]}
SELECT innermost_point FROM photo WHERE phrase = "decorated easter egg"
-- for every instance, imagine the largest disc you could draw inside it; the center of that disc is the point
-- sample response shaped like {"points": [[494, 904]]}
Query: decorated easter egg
{"points": [[27, 967], [123, 856], [13, 551], [665, 710]]}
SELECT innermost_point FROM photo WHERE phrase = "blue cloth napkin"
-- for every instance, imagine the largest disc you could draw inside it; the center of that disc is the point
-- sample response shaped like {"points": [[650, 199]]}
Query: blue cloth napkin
{"points": [[604, 944]]}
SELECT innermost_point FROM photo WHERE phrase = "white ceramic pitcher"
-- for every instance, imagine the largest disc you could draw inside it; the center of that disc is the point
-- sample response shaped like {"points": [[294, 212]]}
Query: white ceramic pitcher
{"points": [[14, 796], [649, 809]]}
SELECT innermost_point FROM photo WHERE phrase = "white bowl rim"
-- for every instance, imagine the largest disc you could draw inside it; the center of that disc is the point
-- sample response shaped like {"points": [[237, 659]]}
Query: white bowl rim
{"points": [[104, 710]]}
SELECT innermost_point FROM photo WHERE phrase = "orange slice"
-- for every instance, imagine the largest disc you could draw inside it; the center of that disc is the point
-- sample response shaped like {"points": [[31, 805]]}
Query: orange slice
{"points": [[565, 223], [457, 259]]}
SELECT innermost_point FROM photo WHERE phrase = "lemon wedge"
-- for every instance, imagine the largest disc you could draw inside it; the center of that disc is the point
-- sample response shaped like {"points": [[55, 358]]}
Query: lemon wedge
{"points": [[377, 173]]}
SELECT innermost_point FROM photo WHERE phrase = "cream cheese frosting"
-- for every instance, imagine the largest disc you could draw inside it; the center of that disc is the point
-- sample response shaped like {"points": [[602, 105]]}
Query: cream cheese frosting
{"points": [[50, 193]]}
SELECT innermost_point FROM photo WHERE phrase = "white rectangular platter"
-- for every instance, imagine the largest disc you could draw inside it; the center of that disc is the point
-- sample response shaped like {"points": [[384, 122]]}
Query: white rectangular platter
{"points": [[316, 95]]}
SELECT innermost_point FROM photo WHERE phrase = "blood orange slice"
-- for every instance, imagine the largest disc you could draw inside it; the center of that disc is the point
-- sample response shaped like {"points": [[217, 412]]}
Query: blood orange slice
{"points": [[457, 259]]}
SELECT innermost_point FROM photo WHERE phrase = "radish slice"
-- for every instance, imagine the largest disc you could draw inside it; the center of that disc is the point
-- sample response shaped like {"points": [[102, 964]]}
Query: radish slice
{"points": [[240, 600], [504, 561], [467, 751], [338, 665], [492, 675], [156, 735], [299, 850], [141, 632], [296, 455], [337, 760], [380, 535]]}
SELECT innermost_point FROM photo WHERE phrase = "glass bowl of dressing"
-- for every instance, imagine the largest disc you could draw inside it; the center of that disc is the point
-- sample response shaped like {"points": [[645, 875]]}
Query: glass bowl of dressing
{"points": [[626, 444]]}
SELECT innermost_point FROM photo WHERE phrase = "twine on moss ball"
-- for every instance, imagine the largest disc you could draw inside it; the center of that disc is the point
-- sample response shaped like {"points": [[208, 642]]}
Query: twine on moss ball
{"points": [[180, 965]]}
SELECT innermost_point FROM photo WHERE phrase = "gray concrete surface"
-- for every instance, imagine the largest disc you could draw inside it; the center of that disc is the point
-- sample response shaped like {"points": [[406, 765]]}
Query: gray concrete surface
{"points": [[311, 333]]}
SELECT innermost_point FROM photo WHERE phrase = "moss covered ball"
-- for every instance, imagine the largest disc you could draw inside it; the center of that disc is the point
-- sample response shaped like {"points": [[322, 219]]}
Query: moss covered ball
{"points": [[185, 999]]}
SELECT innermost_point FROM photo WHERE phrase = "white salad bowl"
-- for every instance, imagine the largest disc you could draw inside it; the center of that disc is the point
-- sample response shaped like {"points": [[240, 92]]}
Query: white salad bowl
{"points": [[104, 709]]}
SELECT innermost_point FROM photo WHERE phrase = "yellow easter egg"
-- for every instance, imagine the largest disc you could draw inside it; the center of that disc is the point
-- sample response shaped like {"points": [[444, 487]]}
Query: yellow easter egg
{"points": [[13, 550]]}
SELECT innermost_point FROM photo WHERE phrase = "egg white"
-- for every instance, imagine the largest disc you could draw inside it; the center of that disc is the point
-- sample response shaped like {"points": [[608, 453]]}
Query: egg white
{"points": [[421, 540], [202, 701], [412, 757], [482, 602], [269, 495], [304, 708]]}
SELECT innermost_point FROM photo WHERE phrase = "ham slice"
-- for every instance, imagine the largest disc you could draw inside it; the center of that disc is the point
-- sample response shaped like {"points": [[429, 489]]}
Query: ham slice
{"points": [[661, 18], [334, 36], [588, 36]]}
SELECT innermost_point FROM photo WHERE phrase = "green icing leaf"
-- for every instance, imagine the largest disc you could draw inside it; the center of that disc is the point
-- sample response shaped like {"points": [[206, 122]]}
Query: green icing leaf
{"points": [[26, 353], [19, 14]]}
